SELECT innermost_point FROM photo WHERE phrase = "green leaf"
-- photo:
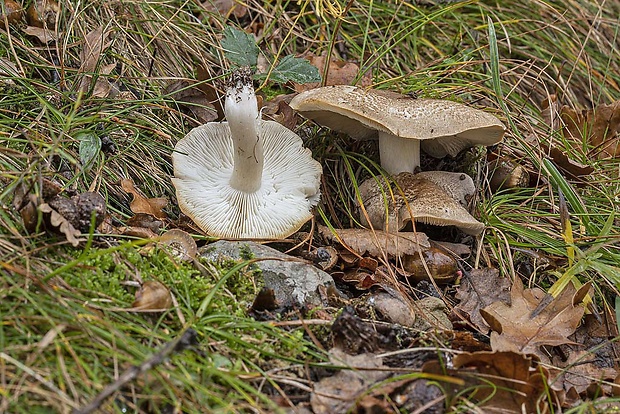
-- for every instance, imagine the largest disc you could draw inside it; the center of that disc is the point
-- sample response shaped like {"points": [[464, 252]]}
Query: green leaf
{"points": [[239, 47], [90, 145], [295, 69]]}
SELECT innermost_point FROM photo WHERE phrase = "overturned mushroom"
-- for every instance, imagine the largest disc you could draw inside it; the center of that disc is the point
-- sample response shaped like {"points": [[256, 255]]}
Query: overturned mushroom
{"points": [[401, 123], [245, 178], [413, 196]]}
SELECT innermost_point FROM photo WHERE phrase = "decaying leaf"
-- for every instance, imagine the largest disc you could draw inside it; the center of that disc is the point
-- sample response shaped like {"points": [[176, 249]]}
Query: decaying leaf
{"points": [[62, 224], [525, 325], [226, 7], [376, 242], [508, 383], [43, 34], [550, 112], [193, 99], [480, 288], [146, 221], [580, 373], [95, 43], [141, 204], [152, 296], [278, 109], [340, 72], [598, 127], [339, 393]]}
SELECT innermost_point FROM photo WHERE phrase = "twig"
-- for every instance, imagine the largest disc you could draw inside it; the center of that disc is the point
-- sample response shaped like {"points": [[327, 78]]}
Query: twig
{"points": [[179, 344]]}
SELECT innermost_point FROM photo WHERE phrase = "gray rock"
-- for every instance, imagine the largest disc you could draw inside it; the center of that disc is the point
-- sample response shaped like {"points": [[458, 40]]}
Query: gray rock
{"points": [[294, 281]]}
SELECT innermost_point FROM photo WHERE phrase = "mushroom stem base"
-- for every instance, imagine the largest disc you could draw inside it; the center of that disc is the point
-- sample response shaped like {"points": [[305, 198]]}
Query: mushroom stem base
{"points": [[398, 154]]}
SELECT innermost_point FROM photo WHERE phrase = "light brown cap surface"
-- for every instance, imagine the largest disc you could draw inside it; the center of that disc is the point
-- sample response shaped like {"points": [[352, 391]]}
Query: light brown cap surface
{"points": [[420, 198], [444, 127]]}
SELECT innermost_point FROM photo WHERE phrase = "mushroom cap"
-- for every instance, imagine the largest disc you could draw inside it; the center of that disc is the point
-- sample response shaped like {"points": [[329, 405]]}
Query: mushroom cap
{"points": [[459, 186], [203, 164], [423, 200], [444, 127]]}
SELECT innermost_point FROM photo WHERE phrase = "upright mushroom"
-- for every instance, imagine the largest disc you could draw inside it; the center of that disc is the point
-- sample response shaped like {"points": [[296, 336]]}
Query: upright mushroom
{"points": [[245, 178], [400, 123]]}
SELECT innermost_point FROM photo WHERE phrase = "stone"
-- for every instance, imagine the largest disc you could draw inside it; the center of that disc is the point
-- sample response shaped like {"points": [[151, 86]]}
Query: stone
{"points": [[294, 281]]}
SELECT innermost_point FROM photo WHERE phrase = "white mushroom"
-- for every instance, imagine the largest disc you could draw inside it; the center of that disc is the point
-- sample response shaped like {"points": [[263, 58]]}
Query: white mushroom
{"points": [[245, 178], [400, 123]]}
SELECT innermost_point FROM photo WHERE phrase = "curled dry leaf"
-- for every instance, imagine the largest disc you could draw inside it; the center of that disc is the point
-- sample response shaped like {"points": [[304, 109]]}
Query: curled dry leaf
{"points": [[364, 241], [95, 43], [61, 223], [530, 322], [44, 35], [141, 204], [152, 296], [226, 7]]}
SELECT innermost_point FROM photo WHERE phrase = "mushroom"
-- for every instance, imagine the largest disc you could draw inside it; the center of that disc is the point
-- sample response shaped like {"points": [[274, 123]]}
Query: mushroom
{"points": [[400, 123], [459, 186], [416, 197], [245, 178]]}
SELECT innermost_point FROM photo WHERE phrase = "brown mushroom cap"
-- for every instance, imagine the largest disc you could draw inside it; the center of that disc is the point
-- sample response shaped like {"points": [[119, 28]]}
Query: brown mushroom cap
{"points": [[459, 186], [443, 127], [423, 200]]}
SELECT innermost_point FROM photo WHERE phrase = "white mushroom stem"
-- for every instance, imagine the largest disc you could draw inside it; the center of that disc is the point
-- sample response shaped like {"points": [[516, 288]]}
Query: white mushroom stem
{"points": [[398, 154], [243, 119]]}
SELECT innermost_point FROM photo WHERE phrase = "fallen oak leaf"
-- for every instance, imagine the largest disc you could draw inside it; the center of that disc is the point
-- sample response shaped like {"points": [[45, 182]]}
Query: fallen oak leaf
{"points": [[363, 241], [141, 204], [480, 288], [524, 325]]}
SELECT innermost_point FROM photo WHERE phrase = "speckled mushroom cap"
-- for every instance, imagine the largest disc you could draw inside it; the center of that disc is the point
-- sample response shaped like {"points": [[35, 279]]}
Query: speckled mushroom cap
{"points": [[203, 164], [423, 200], [444, 127], [459, 186]]}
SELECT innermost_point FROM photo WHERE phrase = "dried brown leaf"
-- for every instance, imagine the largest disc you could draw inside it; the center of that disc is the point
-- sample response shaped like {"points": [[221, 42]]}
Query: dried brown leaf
{"points": [[364, 241], [62, 224], [44, 35], [524, 326], [340, 72], [478, 289], [95, 42], [599, 127], [152, 296], [226, 7], [518, 385], [141, 204], [192, 98], [340, 392]]}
